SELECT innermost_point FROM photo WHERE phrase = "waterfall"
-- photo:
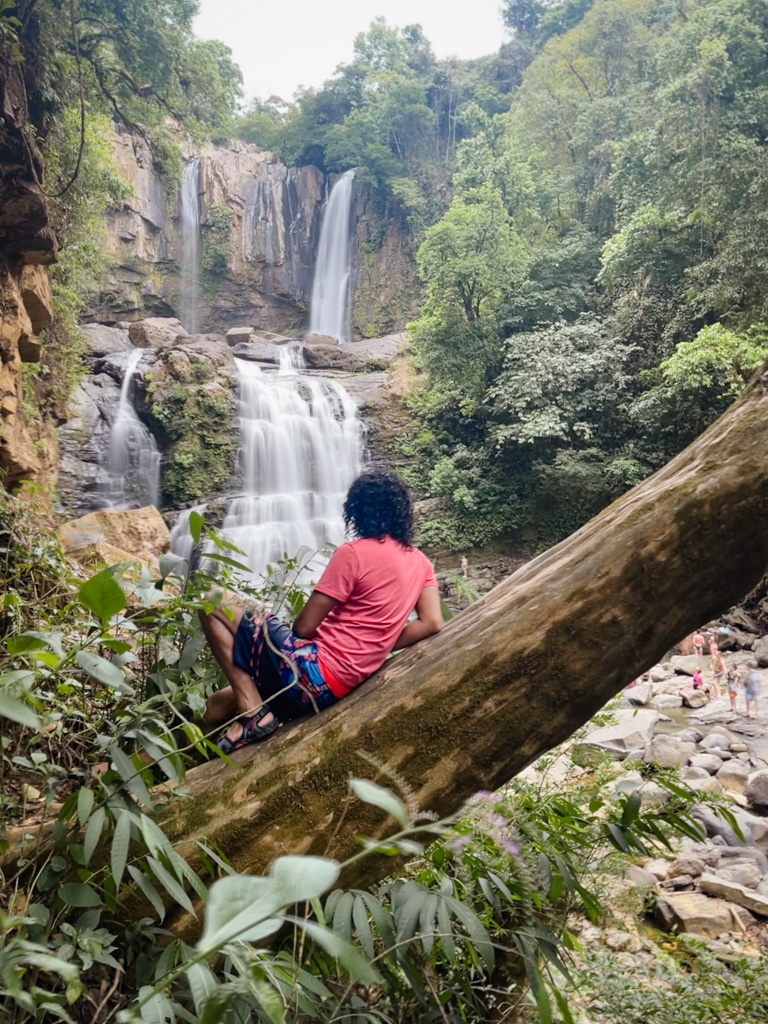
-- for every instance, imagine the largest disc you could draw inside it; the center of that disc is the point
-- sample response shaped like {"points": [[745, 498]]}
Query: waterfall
{"points": [[330, 289], [189, 215], [300, 449], [132, 459]]}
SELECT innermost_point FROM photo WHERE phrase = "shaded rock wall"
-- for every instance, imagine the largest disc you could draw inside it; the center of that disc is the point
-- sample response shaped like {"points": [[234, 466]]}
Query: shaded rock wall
{"points": [[274, 215], [26, 244]]}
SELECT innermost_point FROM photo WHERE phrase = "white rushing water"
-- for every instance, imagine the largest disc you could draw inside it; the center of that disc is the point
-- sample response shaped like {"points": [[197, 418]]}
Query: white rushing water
{"points": [[132, 459], [300, 449], [330, 290], [189, 217]]}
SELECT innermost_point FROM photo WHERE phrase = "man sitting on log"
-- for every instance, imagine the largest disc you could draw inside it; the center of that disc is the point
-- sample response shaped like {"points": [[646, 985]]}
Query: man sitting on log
{"points": [[357, 614]]}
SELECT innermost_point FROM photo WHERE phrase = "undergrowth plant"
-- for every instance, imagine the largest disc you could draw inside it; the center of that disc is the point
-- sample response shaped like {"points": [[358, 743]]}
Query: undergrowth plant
{"points": [[102, 686]]}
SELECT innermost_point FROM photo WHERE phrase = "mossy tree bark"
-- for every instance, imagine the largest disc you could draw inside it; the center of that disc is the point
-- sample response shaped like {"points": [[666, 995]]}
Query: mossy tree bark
{"points": [[519, 671]]}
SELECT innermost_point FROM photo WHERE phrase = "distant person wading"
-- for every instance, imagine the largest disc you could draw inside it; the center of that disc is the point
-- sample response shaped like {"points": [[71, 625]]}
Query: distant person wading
{"points": [[357, 614]]}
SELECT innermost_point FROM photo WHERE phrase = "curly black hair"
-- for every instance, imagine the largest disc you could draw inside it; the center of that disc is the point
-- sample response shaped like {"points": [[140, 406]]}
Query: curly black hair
{"points": [[378, 504]]}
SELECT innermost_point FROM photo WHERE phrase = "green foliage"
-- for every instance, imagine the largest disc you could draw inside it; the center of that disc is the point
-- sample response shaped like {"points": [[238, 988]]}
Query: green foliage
{"points": [[190, 413], [688, 985], [215, 241], [631, 170]]}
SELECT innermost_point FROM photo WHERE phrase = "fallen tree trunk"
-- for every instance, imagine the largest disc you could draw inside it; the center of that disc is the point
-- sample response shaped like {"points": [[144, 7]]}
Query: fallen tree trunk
{"points": [[516, 673]]}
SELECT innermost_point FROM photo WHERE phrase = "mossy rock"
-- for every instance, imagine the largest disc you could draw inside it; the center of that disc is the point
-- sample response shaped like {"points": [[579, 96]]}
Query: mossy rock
{"points": [[189, 403]]}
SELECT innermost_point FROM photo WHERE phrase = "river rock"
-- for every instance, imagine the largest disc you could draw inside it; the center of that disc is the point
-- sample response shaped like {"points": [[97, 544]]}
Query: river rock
{"points": [[156, 332], [686, 664], [634, 729], [708, 785], [661, 672], [727, 855], [708, 762], [690, 735], [101, 340], [256, 353], [716, 739], [694, 913], [692, 866], [693, 698], [756, 790], [668, 752], [640, 877], [324, 340], [736, 893], [236, 335], [373, 354], [667, 700], [693, 772], [134, 535], [733, 775], [639, 695], [746, 874]]}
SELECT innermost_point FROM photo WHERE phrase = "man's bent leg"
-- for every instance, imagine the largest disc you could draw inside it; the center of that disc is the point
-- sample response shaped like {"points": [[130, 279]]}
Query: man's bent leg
{"points": [[220, 636]]}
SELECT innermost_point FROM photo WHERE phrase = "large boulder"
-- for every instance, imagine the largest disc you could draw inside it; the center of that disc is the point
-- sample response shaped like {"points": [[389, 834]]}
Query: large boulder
{"points": [[156, 332], [236, 335], [709, 762], [101, 340], [634, 729], [716, 740], [134, 535], [694, 699], [668, 752], [323, 340], [757, 788], [694, 913], [639, 695], [686, 664], [374, 354], [733, 775]]}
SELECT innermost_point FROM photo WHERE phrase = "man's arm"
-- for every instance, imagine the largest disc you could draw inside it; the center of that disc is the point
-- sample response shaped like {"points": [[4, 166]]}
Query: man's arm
{"points": [[312, 614], [429, 619]]}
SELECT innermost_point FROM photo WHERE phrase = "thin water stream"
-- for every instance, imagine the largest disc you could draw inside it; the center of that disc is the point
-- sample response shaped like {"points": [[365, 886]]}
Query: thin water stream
{"points": [[132, 459]]}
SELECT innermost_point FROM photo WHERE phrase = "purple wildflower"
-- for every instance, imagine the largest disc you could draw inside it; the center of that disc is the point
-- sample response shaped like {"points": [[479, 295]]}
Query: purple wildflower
{"points": [[484, 796], [458, 845], [507, 844]]}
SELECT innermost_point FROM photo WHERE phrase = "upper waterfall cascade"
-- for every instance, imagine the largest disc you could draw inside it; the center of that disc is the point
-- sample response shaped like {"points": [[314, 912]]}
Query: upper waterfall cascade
{"points": [[330, 290], [189, 217], [132, 459], [300, 449]]}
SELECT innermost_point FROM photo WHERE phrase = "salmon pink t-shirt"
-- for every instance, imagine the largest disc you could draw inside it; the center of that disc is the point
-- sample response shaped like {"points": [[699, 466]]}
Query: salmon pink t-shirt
{"points": [[377, 583]]}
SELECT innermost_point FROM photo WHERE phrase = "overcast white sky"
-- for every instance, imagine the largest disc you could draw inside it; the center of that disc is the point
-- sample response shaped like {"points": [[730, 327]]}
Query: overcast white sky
{"points": [[282, 44]]}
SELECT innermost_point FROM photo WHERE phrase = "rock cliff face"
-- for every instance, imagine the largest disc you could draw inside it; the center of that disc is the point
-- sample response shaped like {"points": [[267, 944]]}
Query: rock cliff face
{"points": [[260, 229], [26, 245]]}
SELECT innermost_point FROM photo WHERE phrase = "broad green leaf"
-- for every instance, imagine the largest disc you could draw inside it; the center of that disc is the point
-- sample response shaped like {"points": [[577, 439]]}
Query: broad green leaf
{"points": [[631, 809], [302, 878], [93, 833], [17, 711], [242, 907], [85, 799], [195, 523], [102, 595], [120, 842], [154, 1007], [352, 960], [77, 894], [168, 562], [388, 801], [104, 671], [202, 982]]}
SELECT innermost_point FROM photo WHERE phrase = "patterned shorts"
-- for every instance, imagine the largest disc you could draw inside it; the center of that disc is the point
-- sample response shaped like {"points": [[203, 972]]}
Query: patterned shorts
{"points": [[305, 690]]}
